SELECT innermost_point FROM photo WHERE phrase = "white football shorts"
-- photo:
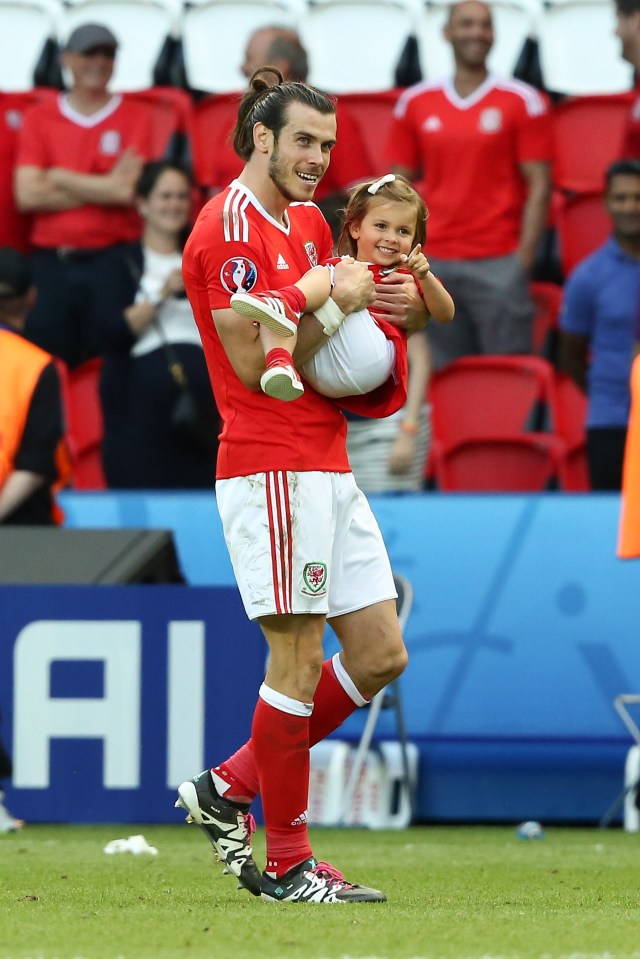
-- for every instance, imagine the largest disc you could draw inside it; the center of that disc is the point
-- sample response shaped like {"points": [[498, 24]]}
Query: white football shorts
{"points": [[303, 542]]}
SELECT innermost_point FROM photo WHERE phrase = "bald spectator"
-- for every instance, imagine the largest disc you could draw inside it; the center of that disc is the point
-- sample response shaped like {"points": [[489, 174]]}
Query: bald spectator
{"points": [[280, 47], [479, 149]]}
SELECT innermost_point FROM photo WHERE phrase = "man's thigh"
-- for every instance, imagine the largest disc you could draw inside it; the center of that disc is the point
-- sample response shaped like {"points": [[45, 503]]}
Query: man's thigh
{"points": [[303, 543]]}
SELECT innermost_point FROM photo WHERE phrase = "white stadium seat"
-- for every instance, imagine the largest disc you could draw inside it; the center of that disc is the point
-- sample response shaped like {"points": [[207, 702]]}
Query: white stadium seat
{"points": [[579, 53], [141, 27], [25, 30], [215, 34], [355, 45]]}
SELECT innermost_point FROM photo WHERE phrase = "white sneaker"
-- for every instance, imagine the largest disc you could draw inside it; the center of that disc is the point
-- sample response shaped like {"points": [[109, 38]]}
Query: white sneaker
{"points": [[7, 822]]}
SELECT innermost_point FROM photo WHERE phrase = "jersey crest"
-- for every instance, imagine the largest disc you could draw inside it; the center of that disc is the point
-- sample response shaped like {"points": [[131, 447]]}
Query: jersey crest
{"points": [[238, 274], [312, 253]]}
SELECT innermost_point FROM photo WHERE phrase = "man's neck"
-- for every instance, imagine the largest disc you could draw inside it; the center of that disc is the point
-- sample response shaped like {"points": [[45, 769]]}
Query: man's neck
{"points": [[629, 245], [88, 102], [265, 191], [466, 80]]}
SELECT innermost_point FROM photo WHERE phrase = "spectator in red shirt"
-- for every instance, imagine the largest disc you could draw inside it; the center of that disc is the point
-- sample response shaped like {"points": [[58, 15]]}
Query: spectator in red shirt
{"points": [[628, 31], [480, 147], [78, 159]]}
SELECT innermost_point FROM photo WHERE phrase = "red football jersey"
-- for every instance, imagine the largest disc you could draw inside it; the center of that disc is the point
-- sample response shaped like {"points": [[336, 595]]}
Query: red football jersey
{"points": [[53, 135], [468, 151], [236, 246]]}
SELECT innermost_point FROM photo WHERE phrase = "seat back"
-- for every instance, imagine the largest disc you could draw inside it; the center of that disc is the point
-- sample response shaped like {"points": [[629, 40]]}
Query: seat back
{"points": [[582, 225], [27, 29], [84, 425], [481, 397], [579, 52], [524, 463], [329, 28], [588, 134], [14, 225], [141, 27], [372, 113], [215, 33], [214, 119]]}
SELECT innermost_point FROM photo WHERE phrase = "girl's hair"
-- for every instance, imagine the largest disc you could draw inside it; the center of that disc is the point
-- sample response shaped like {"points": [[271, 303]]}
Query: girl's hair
{"points": [[151, 173], [266, 101], [398, 190]]}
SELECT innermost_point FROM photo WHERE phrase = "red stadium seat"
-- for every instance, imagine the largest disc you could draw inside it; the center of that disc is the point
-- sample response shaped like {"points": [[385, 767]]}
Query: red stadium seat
{"points": [[588, 133], [527, 463], [84, 425], [483, 397], [214, 118], [372, 112], [14, 226], [571, 413], [583, 224]]}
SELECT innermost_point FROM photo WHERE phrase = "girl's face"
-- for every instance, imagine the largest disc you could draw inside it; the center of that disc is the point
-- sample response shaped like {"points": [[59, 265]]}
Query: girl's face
{"points": [[385, 232], [168, 205]]}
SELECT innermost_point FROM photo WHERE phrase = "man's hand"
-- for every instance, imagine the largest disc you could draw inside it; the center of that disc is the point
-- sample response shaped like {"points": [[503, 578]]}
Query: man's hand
{"points": [[354, 288], [399, 302], [124, 174]]}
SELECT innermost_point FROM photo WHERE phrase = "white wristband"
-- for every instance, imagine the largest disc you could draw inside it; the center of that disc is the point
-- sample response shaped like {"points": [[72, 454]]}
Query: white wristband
{"points": [[330, 315]]}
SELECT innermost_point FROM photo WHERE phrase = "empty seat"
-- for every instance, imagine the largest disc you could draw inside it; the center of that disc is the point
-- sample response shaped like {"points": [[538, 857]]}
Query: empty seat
{"points": [[372, 113], [83, 414], [28, 32], [513, 20], [482, 397], [526, 463], [380, 28], [588, 134], [143, 28], [215, 34], [582, 224], [579, 52]]}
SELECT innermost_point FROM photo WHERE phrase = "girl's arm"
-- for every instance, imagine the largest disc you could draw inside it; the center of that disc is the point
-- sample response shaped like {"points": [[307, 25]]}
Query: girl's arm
{"points": [[439, 302]]}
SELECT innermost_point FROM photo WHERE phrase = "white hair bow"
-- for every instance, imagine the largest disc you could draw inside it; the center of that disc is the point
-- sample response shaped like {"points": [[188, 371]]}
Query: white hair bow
{"points": [[387, 178]]}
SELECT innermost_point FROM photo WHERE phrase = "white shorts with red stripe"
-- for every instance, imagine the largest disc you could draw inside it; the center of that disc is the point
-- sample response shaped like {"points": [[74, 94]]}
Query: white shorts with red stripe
{"points": [[303, 543]]}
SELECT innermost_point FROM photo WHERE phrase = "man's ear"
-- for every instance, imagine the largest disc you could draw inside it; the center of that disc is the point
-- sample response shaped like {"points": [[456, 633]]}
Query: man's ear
{"points": [[261, 137]]}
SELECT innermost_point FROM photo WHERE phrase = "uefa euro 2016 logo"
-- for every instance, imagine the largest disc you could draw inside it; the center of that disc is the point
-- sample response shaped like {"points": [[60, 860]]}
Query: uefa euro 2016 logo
{"points": [[238, 275]]}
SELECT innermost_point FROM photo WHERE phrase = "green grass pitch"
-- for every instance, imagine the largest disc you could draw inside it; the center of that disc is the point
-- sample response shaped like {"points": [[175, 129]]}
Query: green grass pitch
{"points": [[454, 893]]}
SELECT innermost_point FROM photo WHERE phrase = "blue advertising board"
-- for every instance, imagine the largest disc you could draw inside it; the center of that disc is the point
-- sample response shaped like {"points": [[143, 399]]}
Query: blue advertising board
{"points": [[113, 695]]}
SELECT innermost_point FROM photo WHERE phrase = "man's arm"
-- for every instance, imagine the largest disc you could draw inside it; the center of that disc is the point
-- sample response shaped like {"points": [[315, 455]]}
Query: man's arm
{"points": [[62, 189], [534, 215], [17, 488], [574, 357], [34, 190]]}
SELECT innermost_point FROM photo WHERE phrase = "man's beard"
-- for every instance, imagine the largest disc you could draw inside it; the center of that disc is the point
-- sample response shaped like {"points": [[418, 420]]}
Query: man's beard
{"points": [[278, 180]]}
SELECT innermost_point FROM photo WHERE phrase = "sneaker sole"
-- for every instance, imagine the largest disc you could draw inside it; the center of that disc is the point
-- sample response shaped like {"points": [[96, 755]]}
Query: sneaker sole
{"points": [[189, 802], [274, 322], [280, 386]]}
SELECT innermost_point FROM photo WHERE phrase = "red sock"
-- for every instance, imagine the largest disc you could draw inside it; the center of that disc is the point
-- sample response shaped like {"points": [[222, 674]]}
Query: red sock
{"points": [[294, 297], [281, 748], [278, 357], [331, 706]]}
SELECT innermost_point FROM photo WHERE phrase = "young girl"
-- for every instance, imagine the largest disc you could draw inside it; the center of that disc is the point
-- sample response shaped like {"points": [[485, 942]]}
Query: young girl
{"points": [[384, 226]]}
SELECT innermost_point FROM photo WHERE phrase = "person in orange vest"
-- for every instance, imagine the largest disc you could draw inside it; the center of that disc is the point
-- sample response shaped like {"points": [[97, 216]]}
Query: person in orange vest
{"points": [[629, 529], [31, 418]]}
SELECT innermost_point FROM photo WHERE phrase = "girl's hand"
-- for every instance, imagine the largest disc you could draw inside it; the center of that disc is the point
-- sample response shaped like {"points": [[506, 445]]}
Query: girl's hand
{"points": [[417, 263], [402, 454]]}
